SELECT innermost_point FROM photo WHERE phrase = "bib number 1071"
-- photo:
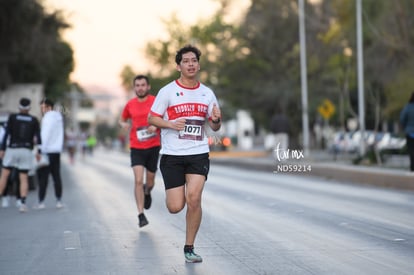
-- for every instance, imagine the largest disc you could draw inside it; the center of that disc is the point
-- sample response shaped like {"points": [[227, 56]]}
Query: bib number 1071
{"points": [[193, 130]]}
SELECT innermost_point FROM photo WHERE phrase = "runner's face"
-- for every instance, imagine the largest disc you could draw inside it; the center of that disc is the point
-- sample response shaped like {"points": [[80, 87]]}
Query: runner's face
{"points": [[43, 108], [141, 88], [189, 65]]}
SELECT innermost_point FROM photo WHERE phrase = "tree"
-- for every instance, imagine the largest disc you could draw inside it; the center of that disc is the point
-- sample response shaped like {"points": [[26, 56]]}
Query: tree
{"points": [[254, 64], [388, 56], [127, 75], [214, 37], [31, 47], [263, 77], [388, 53]]}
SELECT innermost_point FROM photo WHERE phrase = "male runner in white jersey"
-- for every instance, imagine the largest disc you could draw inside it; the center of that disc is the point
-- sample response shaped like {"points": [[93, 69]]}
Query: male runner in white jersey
{"points": [[180, 110]]}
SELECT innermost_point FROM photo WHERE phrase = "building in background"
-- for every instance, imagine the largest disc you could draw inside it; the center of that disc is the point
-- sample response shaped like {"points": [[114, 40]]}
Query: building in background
{"points": [[9, 99]]}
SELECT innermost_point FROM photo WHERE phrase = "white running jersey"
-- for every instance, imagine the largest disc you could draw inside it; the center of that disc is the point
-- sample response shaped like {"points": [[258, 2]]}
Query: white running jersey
{"points": [[195, 104]]}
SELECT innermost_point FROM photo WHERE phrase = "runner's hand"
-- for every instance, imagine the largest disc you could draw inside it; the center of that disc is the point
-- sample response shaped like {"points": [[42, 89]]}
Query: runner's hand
{"points": [[124, 125], [38, 157], [178, 124], [152, 129], [216, 113]]}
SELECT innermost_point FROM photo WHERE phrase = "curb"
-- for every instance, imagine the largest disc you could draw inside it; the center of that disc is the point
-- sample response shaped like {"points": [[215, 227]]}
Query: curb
{"points": [[376, 176], [366, 175]]}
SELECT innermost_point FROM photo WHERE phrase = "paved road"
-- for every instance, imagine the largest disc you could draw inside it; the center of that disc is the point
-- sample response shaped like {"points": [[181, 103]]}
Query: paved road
{"points": [[253, 223]]}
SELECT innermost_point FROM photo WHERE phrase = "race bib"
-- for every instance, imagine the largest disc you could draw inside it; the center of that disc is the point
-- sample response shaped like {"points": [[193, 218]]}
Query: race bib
{"points": [[193, 130], [143, 134]]}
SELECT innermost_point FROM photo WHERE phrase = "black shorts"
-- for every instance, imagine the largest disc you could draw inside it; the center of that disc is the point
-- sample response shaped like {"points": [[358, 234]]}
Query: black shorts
{"points": [[174, 168], [145, 157]]}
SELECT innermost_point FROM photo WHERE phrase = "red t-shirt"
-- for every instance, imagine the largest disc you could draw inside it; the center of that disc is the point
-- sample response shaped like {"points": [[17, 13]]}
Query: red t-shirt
{"points": [[137, 112]]}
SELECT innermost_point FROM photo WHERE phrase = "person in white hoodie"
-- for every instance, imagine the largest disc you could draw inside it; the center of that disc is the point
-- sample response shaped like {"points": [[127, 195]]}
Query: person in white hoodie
{"points": [[52, 135]]}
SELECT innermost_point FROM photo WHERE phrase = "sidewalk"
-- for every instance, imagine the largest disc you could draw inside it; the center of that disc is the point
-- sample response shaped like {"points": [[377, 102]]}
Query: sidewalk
{"points": [[320, 164]]}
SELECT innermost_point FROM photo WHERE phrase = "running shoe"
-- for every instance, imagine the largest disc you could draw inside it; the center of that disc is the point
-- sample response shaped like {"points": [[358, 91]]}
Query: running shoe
{"points": [[147, 198], [59, 204], [40, 206], [191, 257], [23, 208], [142, 220], [5, 201]]}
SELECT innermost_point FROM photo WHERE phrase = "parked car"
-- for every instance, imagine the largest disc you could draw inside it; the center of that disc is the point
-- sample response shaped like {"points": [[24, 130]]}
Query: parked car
{"points": [[390, 142], [342, 142], [349, 142]]}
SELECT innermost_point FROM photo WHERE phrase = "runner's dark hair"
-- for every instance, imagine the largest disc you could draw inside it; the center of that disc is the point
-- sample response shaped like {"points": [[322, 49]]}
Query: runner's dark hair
{"points": [[186, 49], [141, 76]]}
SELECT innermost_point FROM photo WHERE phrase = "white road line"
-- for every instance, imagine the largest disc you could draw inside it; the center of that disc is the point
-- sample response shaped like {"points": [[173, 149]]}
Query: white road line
{"points": [[72, 240]]}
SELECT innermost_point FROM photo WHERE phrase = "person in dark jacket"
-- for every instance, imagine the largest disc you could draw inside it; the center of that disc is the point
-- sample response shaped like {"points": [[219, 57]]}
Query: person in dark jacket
{"points": [[407, 122], [24, 131], [280, 127]]}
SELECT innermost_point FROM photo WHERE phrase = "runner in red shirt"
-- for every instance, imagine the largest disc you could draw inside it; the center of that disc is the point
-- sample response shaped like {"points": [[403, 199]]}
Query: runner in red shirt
{"points": [[144, 142]]}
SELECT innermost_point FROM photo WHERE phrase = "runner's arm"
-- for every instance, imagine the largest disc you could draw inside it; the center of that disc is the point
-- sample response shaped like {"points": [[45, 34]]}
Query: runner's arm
{"points": [[214, 124], [215, 118], [162, 123], [7, 130], [123, 123]]}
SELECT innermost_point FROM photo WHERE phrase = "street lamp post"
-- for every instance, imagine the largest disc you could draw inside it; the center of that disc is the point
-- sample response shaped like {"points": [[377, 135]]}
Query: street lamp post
{"points": [[361, 103], [304, 82]]}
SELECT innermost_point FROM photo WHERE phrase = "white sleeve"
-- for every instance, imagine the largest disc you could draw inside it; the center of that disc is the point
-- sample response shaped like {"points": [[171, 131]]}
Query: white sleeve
{"points": [[161, 103], [45, 131]]}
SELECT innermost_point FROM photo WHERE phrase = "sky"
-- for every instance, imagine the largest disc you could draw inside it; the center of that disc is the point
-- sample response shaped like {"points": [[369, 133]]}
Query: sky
{"points": [[106, 35]]}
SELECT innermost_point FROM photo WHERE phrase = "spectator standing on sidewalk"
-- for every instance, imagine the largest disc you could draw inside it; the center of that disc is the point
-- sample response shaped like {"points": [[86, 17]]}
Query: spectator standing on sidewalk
{"points": [[280, 128], [144, 142], [181, 109], [52, 134], [24, 131], [407, 122]]}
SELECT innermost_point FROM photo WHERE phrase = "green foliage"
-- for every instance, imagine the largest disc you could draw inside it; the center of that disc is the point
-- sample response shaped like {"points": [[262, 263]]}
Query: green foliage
{"points": [[271, 78], [255, 64], [106, 132], [31, 48], [399, 92], [127, 75]]}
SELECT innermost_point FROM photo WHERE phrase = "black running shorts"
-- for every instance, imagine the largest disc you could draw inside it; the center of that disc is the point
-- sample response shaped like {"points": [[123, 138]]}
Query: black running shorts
{"points": [[174, 168], [145, 157]]}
